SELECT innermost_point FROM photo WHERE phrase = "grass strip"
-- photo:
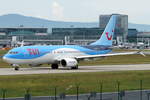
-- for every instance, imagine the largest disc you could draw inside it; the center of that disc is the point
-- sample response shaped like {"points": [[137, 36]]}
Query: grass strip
{"points": [[43, 85]]}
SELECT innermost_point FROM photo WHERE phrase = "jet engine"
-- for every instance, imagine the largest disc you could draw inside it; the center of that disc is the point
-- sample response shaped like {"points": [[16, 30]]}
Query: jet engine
{"points": [[69, 62]]}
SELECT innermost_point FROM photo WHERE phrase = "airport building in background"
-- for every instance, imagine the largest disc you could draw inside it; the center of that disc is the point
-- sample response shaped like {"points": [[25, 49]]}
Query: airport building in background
{"points": [[85, 36], [79, 36], [7, 35], [82, 36], [23, 31], [121, 30]]}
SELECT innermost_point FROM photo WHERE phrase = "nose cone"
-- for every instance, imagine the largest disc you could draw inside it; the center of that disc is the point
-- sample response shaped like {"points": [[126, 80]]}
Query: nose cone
{"points": [[5, 58], [8, 59]]}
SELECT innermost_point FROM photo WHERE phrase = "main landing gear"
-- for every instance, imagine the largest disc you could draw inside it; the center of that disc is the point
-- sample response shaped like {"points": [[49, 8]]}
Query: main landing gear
{"points": [[54, 66], [76, 67], [16, 66]]}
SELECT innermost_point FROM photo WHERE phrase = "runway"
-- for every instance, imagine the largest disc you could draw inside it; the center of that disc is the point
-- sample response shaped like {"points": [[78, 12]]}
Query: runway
{"points": [[99, 68]]}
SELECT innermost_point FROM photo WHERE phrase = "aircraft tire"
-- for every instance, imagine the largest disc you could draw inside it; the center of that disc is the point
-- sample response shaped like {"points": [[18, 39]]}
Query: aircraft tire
{"points": [[76, 67], [16, 68], [54, 66]]}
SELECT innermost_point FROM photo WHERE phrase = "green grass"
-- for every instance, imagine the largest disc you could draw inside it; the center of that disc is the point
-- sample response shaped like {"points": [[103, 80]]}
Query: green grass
{"points": [[2, 52], [41, 85], [2, 63]]}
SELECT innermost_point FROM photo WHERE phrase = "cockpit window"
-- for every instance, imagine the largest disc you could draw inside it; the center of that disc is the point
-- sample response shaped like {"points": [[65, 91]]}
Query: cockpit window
{"points": [[13, 52]]}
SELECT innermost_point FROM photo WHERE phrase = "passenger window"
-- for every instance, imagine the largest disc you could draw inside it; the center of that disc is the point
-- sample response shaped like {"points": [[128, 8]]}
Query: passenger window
{"points": [[13, 52]]}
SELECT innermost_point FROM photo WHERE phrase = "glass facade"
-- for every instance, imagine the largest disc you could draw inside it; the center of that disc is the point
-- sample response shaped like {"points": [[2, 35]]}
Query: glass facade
{"points": [[86, 33], [132, 35], [23, 31], [90, 33]]}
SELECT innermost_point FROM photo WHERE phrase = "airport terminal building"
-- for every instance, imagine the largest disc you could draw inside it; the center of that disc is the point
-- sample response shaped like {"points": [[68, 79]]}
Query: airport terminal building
{"points": [[22, 31], [87, 35], [59, 36]]}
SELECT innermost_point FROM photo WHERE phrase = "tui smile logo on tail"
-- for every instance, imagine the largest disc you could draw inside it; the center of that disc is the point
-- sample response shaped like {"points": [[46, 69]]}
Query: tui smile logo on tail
{"points": [[107, 35]]}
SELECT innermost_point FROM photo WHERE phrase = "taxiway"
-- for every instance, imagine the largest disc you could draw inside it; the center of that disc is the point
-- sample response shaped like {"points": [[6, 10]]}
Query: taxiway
{"points": [[98, 68]]}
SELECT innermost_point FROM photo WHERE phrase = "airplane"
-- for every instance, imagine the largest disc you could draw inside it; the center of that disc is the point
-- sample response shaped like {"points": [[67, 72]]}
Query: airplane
{"points": [[64, 55]]}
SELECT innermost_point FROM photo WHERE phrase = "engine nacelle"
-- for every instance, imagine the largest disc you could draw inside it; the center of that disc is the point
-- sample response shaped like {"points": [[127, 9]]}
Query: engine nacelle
{"points": [[69, 62]]}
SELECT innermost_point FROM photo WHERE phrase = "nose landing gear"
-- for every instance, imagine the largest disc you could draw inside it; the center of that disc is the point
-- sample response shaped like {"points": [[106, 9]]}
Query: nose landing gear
{"points": [[16, 66]]}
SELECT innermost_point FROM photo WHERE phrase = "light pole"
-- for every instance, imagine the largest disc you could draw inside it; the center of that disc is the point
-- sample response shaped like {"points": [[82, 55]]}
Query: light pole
{"points": [[77, 87], [55, 93], [118, 84], [141, 88], [101, 90]]}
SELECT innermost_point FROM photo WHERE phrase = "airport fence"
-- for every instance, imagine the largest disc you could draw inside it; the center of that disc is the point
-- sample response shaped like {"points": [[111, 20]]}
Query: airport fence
{"points": [[121, 92]]}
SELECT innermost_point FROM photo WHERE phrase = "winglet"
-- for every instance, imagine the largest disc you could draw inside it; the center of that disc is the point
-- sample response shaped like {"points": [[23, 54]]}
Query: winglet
{"points": [[141, 53]]}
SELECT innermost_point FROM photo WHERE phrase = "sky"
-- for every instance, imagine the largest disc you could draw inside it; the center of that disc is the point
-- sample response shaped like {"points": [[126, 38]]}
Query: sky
{"points": [[78, 10]]}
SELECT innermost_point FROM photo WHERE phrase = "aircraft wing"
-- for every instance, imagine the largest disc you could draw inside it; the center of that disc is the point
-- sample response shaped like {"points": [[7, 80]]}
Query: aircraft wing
{"points": [[106, 55]]}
